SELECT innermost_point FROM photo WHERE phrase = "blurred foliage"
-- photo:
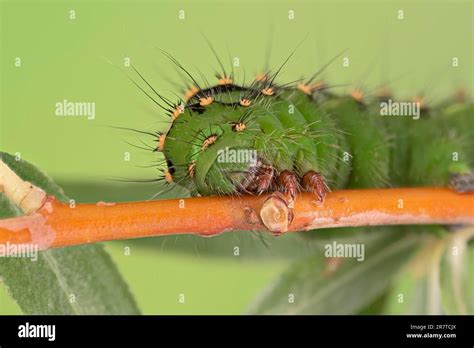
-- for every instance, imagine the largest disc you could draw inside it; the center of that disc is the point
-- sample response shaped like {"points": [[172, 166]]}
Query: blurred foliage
{"points": [[74, 280]]}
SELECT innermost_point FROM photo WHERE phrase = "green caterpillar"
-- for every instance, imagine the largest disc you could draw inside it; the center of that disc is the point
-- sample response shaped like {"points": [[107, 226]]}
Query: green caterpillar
{"points": [[231, 138]]}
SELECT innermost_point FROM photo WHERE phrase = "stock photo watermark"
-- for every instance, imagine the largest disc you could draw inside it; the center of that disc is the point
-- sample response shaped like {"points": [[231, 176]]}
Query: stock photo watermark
{"points": [[69, 108], [342, 250], [399, 108], [19, 251], [245, 156]]}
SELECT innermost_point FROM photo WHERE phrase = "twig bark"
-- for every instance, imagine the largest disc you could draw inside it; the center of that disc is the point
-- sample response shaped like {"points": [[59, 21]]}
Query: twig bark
{"points": [[57, 224], [23, 194]]}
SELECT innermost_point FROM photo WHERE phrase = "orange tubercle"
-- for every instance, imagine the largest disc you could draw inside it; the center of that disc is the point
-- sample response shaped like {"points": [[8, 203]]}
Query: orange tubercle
{"points": [[245, 102], [225, 81], [357, 95], [168, 177], [178, 110], [267, 91], [304, 88], [205, 101], [191, 92], [161, 142], [261, 77]]}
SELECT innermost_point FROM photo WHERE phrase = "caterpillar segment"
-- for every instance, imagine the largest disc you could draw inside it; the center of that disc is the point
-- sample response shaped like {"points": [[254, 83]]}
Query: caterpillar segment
{"points": [[449, 158], [232, 139]]}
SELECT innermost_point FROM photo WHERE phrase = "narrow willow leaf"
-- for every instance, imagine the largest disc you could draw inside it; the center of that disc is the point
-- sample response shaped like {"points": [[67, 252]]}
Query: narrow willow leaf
{"points": [[75, 280], [457, 273], [7, 208], [417, 288], [315, 289], [30, 173]]}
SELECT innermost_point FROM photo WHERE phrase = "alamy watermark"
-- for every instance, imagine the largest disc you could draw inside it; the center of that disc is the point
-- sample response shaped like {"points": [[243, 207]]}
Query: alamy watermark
{"points": [[399, 108], [229, 155], [345, 250], [28, 330], [19, 250], [69, 108]]}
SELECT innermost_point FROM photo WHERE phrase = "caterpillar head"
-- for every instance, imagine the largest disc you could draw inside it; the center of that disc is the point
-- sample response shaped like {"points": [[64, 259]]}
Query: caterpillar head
{"points": [[230, 138], [210, 145]]}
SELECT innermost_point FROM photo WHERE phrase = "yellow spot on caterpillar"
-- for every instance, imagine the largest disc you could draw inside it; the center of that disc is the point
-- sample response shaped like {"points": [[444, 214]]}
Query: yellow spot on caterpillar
{"points": [[205, 101], [384, 93], [420, 101], [357, 95], [161, 142], [305, 88], [168, 177], [308, 89], [178, 110], [225, 81], [268, 91], [245, 102], [239, 127], [191, 93], [261, 77], [191, 168], [209, 141], [460, 95]]}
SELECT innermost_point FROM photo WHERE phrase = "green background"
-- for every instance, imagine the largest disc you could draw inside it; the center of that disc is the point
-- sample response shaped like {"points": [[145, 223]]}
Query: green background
{"points": [[82, 60]]}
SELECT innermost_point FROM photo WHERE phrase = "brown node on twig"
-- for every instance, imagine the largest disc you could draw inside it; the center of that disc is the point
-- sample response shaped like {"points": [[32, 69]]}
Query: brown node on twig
{"points": [[276, 214], [251, 216], [25, 195]]}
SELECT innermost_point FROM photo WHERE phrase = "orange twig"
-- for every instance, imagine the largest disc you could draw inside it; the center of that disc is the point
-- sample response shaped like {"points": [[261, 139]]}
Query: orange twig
{"points": [[56, 224]]}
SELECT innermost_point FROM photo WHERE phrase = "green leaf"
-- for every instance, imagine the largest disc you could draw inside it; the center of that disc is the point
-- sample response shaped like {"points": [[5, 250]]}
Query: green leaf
{"points": [[457, 273], [417, 289], [74, 280], [30, 173], [348, 289], [7, 208], [438, 280]]}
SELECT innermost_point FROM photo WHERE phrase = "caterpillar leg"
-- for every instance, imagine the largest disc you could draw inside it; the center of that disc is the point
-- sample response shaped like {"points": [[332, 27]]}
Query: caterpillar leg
{"points": [[288, 181], [258, 180], [277, 212], [264, 178], [247, 185], [462, 182], [314, 182]]}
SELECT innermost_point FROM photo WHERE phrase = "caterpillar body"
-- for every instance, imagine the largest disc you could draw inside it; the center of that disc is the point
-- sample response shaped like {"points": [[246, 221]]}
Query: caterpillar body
{"points": [[302, 137]]}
